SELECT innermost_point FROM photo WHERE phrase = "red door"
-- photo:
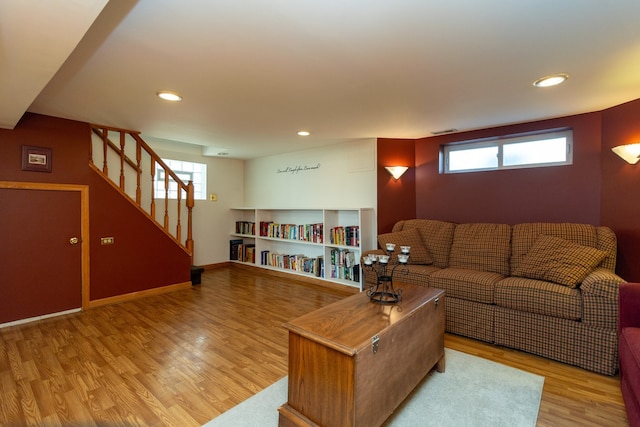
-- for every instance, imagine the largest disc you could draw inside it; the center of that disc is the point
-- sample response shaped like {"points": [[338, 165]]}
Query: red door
{"points": [[40, 252]]}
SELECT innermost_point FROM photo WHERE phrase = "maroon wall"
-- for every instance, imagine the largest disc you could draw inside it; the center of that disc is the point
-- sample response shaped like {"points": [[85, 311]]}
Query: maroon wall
{"points": [[621, 186], [599, 188], [556, 194], [396, 198], [68, 139], [142, 257]]}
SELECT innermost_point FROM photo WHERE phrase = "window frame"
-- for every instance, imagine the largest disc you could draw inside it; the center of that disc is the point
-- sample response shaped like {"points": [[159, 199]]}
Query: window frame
{"points": [[501, 142], [159, 182]]}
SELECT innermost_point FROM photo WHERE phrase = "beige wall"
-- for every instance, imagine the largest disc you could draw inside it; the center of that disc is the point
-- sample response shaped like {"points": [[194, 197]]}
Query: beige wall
{"points": [[340, 175], [225, 178], [335, 176]]}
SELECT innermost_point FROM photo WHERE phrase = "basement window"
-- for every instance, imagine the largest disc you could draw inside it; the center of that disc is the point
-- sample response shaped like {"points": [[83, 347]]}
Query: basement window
{"points": [[549, 148], [186, 171]]}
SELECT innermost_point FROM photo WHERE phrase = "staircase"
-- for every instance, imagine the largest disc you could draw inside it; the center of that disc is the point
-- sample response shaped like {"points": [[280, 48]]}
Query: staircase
{"points": [[133, 168]]}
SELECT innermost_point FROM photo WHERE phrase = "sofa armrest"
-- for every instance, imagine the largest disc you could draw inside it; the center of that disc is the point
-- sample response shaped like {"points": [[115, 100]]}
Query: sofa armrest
{"points": [[629, 305], [602, 283], [600, 299]]}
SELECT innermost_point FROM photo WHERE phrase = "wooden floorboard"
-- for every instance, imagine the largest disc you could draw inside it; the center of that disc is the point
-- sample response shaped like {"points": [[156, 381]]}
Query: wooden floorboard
{"points": [[181, 359]]}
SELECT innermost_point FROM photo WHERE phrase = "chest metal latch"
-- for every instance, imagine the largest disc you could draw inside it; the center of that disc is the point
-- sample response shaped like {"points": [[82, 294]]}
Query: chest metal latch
{"points": [[374, 344]]}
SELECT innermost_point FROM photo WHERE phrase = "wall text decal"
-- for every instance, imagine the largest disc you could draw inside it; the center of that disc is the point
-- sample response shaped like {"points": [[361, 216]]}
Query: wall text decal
{"points": [[298, 168]]}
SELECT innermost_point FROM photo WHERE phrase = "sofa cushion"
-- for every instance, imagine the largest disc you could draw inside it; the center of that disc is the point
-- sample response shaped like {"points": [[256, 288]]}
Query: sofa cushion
{"points": [[469, 319], [409, 237], [471, 285], [558, 339], [539, 297], [525, 235], [413, 274], [482, 247], [560, 261], [436, 235]]}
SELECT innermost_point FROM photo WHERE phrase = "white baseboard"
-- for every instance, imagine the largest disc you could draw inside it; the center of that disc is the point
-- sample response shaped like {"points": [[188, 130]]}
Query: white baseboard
{"points": [[44, 316]]}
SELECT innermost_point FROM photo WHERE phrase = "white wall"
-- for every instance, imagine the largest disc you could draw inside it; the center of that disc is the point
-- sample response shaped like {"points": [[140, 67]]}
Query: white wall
{"points": [[334, 176], [225, 178]]}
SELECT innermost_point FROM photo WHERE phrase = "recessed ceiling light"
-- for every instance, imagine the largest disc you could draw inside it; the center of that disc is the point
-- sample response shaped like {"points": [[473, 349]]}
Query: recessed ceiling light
{"points": [[169, 96], [551, 80], [304, 133]]}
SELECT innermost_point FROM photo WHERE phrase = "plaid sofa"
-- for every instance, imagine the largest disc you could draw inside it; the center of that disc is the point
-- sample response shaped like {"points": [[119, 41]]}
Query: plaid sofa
{"points": [[544, 288]]}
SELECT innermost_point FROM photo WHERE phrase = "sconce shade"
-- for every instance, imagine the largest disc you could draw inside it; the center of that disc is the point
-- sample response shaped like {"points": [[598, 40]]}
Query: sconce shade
{"points": [[396, 171], [630, 152]]}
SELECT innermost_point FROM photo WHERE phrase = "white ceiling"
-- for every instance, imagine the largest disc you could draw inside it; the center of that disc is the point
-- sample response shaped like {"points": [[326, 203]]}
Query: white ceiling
{"points": [[254, 72]]}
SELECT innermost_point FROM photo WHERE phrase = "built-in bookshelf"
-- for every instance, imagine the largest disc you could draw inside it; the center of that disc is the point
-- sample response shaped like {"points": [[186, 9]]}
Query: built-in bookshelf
{"points": [[322, 243]]}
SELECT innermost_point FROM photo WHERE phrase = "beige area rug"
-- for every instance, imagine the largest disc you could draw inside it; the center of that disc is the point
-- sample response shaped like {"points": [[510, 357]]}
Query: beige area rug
{"points": [[471, 392]]}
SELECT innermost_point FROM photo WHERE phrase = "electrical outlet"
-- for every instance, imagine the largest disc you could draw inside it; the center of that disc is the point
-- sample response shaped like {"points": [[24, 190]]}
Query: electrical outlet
{"points": [[107, 241], [213, 197]]}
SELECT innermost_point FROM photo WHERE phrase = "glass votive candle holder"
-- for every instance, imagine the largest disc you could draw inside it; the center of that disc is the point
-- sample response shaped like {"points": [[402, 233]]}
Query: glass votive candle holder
{"points": [[391, 246], [405, 249], [367, 260], [384, 259], [403, 258]]}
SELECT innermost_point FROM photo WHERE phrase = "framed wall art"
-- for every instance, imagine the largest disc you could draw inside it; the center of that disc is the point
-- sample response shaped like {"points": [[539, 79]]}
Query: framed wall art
{"points": [[36, 159]]}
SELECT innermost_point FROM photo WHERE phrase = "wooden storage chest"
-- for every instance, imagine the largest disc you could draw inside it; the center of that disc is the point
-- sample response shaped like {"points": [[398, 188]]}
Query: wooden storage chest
{"points": [[353, 362]]}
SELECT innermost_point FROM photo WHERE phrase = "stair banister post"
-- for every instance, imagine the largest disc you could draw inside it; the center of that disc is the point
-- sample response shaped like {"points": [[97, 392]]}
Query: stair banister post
{"points": [[181, 187], [190, 204], [91, 145], [138, 173], [153, 191], [122, 143], [105, 145], [166, 197]]}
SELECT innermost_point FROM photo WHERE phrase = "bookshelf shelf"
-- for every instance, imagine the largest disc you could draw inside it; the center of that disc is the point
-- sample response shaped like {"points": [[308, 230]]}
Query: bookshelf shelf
{"points": [[293, 241], [322, 243]]}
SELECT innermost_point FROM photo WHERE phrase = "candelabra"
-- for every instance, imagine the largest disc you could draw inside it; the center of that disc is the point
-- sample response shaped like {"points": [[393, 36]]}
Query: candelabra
{"points": [[385, 266]]}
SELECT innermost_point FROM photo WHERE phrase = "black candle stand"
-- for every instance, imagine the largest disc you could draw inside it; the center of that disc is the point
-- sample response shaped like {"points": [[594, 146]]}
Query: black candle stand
{"points": [[383, 292]]}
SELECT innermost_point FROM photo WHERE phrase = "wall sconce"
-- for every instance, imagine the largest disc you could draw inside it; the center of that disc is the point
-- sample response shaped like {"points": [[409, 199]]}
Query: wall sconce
{"points": [[629, 152], [396, 171]]}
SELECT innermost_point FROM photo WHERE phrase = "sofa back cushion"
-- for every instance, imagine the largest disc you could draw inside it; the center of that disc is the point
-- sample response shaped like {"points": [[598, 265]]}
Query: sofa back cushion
{"points": [[409, 237], [479, 246], [525, 235], [607, 242], [559, 260], [437, 237]]}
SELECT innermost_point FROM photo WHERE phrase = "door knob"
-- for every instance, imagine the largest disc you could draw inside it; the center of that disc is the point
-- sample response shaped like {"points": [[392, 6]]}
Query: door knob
{"points": [[73, 240]]}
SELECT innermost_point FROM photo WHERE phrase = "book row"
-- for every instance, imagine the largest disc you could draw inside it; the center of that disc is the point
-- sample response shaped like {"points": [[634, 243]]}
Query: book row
{"points": [[300, 263], [240, 251], [342, 264], [306, 232], [246, 227], [346, 236], [340, 235]]}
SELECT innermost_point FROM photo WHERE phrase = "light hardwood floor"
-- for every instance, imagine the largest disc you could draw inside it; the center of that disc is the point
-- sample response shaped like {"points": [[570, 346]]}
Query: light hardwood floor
{"points": [[181, 359]]}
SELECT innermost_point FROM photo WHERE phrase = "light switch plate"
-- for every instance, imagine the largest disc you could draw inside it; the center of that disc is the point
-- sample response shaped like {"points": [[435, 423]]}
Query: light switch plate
{"points": [[107, 241]]}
